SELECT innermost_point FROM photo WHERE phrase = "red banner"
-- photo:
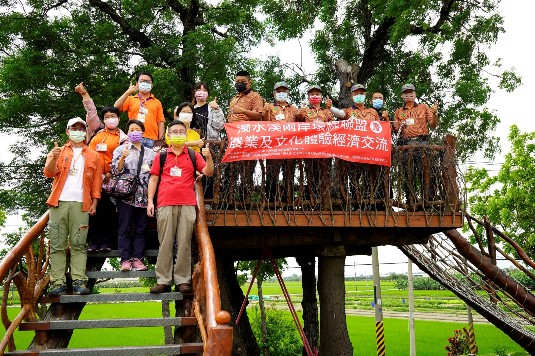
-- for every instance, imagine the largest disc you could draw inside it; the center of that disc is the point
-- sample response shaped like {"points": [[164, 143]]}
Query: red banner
{"points": [[352, 140]]}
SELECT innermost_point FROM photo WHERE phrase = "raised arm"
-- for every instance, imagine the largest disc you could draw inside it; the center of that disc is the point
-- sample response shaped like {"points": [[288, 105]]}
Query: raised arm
{"points": [[91, 116], [120, 102]]}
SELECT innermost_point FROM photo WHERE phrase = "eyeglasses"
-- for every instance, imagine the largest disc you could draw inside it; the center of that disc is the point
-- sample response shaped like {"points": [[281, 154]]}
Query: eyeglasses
{"points": [[146, 81]]}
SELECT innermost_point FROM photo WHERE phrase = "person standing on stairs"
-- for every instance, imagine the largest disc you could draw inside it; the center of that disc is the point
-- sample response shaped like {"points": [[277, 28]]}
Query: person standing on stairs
{"points": [[132, 211], [176, 201], [77, 174], [105, 139]]}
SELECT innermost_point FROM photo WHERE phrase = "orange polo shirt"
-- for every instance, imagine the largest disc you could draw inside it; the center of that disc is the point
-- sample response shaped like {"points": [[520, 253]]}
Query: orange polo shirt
{"points": [[111, 140], [414, 120], [272, 111], [152, 117], [363, 114], [250, 101], [92, 181], [310, 113]]}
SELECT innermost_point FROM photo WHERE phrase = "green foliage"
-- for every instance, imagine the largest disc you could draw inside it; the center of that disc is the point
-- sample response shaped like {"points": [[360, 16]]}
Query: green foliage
{"points": [[282, 335], [508, 198], [265, 271]]}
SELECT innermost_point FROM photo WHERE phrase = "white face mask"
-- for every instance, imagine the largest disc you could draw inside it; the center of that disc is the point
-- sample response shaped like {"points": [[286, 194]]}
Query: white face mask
{"points": [[185, 117], [144, 87], [76, 136], [111, 122]]}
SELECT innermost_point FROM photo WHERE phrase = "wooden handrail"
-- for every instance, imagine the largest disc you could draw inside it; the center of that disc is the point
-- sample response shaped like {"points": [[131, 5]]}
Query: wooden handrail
{"points": [[219, 333], [17, 252]]}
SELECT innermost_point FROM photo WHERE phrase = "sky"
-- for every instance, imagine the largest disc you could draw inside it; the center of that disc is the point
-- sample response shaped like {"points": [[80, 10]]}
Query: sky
{"points": [[513, 47]]}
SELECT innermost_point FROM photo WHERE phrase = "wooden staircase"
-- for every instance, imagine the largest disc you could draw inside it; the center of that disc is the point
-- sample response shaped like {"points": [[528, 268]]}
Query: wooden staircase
{"points": [[200, 323]]}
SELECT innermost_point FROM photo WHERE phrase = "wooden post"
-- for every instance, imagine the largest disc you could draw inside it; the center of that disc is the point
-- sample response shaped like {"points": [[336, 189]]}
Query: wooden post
{"points": [[310, 301], [379, 326], [449, 175]]}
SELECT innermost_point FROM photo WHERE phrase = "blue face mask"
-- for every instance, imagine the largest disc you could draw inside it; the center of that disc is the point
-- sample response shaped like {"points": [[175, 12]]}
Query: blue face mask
{"points": [[282, 96], [377, 103], [359, 98]]}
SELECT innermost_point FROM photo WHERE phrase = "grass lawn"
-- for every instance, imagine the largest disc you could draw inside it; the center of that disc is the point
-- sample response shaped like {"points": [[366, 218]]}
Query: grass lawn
{"points": [[431, 337]]}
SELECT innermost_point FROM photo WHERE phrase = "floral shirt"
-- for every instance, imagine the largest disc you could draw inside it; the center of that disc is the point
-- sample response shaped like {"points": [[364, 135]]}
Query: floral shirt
{"points": [[139, 199]]}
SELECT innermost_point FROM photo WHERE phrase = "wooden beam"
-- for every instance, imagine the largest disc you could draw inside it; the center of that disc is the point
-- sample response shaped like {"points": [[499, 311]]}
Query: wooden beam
{"points": [[375, 219]]}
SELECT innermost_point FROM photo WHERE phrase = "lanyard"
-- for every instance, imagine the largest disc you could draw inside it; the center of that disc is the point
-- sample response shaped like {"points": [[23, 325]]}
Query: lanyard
{"points": [[142, 101]]}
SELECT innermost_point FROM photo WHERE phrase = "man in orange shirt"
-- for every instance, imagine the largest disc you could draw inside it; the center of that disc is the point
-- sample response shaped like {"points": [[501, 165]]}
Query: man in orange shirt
{"points": [[280, 111], [411, 122], [358, 110], [77, 174], [144, 107], [246, 105]]}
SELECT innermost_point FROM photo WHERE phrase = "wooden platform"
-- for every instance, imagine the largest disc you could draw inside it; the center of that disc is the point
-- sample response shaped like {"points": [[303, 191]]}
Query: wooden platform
{"points": [[243, 234]]}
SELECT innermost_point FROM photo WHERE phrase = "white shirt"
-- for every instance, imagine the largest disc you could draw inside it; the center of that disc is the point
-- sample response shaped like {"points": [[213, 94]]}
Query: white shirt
{"points": [[73, 190]]}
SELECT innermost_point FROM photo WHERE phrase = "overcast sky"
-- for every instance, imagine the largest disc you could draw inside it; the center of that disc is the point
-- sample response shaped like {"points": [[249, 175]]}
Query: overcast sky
{"points": [[513, 47]]}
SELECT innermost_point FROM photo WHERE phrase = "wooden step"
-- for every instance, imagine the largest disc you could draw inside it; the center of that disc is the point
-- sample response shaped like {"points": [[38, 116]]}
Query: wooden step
{"points": [[112, 297], [115, 253], [188, 348], [106, 323], [119, 274]]}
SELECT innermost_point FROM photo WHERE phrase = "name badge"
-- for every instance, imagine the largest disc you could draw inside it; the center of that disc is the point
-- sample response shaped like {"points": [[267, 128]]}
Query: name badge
{"points": [[409, 121], [141, 117], [176, 172], [145, 168], [280, 117], [102, 147], [143, 110], [73, 171]]}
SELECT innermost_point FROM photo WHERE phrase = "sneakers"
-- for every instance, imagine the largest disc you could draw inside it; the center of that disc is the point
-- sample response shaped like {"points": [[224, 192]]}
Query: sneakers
{"points": [[58, 289], [78, 287], [138, 265], [185, 288], [126, 266], [160, 288]]}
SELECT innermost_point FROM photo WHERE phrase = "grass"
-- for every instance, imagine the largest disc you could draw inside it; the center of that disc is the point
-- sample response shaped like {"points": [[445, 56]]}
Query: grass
{"points": [[431, 337]]}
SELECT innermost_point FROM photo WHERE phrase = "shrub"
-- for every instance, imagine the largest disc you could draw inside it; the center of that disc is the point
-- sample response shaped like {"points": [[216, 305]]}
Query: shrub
{"points": [[459, 344], [282, 335]]}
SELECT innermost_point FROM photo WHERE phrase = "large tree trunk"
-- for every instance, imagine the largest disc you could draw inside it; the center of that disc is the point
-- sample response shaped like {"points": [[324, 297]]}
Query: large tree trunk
{"points": [[263, 322], [334, 338], [243, 342], [347, 74], [309, 302]]}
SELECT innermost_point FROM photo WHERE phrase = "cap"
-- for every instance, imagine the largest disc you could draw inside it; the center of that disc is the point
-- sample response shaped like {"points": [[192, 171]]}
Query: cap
{"points": [[75, 120], [407, 87], [280, 85], [312, 87], [358, 86]]}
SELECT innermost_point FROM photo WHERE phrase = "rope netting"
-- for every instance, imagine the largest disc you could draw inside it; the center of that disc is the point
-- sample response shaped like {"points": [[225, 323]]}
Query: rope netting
{"points": [[441, 260], [420, 179]]}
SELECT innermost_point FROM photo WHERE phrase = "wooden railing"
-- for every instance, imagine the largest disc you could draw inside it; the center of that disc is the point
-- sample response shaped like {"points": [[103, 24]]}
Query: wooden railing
{"points": [[217, 334], [29, 286]]}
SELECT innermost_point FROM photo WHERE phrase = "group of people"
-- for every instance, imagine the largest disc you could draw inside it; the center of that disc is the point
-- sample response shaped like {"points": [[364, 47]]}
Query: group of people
{"points": [[84, 216]]}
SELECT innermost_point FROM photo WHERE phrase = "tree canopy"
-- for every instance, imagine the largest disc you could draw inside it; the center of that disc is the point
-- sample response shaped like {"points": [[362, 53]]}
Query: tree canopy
{"points": [[508, 198], [50, 46]]}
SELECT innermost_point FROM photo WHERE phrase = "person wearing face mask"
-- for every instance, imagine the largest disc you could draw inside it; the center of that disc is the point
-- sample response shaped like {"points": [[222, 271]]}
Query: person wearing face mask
{"points": [[104, 140], [314, 111], [378, 102], [358, 110], [280, 111], [318, 170], [132, 211], [247, 105], [175, 208], [77, 174], [144, 107], [185, 114], [411, 122], [209, 119]]}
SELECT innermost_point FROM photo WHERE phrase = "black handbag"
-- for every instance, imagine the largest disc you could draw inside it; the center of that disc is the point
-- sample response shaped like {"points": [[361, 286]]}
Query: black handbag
{"points": [[125, 184]]}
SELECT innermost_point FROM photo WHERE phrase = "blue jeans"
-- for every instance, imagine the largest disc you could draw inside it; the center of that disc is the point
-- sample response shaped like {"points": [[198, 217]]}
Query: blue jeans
{"points": [[147, 142]]}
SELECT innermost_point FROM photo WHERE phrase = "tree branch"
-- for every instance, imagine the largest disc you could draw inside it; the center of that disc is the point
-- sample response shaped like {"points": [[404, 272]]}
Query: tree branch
{"points": [[444, 15], [375, 49]]}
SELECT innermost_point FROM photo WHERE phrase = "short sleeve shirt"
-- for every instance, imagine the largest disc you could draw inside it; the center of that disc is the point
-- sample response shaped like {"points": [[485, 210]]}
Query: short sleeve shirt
{"points": [[153, 116], [310, 114], [414, 120], [250, 101], [279, 113], [363, 114], [177, 190]]}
